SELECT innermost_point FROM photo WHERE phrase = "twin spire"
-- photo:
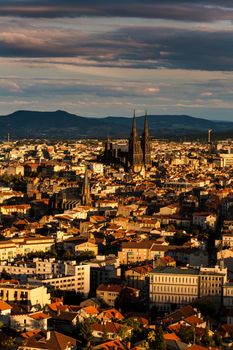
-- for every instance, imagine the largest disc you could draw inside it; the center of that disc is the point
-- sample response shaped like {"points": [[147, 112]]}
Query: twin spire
{"points": [[139, 154]]}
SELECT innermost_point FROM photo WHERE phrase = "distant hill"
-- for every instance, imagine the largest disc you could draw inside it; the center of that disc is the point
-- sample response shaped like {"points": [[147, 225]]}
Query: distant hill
{"points": [[63, 125]]}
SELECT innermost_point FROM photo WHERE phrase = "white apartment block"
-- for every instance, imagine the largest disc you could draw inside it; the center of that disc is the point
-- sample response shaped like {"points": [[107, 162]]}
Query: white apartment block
{"points": [[205, 220], [227, 239], [21, 246], [228, 295], [170, 285], [76, 278], [18, 269], [35, 295], [29, 322]]}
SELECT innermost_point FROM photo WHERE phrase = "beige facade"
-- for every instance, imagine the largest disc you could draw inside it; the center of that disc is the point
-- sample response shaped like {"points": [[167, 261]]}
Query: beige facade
{"points": [[205, 220], [10, 249], [108, 293], [22, 269], [169, 285], [87, 246], [78, 282], [227, 240], [35, 295], [140, 251], [228, 295], [28, 322], [20, 209]]}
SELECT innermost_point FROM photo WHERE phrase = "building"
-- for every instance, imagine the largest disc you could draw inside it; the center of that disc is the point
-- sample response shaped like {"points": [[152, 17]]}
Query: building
{"points": [[63, 276], [145, 144], [22, 210], [22, 246], [31, 295], [138, 155], [51, 340], [138, 277], [228, 295], [29, 322], [86, 193], [132, 252], [135, 155], [180, 286], [108, 293], [205, 220]]}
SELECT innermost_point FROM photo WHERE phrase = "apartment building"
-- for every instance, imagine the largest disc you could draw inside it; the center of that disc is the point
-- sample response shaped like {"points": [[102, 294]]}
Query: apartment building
{"points": [[29, 322], [180, 286], [16, 269], [21, 246], [227, 239], [205, 220], [22, 210], [30, 294], [132, 252], [76, 278], [108, 293], [138, 277], [228, 295]]}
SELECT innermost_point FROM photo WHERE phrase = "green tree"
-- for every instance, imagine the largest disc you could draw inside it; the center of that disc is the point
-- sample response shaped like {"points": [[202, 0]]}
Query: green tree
{"points": [[180, 238], [206, 306], [186, 334], [155, 340], [217, 339], [123, 332], [159, 339], [85, 255], [206, 339], [84, 334], [7, 344], [5, 275]]}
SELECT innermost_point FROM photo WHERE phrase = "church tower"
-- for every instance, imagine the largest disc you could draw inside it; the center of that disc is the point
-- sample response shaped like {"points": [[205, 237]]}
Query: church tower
{"points": [[135, 156], [145, 144], [86, 193]]}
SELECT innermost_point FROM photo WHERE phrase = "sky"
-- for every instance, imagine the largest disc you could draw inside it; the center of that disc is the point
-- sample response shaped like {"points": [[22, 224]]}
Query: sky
{"points": [[103, 57]]}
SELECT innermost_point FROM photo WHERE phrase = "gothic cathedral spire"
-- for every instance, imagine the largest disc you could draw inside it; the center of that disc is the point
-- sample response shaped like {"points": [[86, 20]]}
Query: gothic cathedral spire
{"points": [[135, 152], [86, 195], [145, 144]]}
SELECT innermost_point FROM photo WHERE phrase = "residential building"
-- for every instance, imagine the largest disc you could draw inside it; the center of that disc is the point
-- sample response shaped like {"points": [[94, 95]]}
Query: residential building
{"points": [[31, 294], [180, 286], [108, 293]]}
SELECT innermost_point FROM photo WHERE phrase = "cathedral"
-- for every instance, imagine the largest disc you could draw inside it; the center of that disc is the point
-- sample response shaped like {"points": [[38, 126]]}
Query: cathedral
{"points": [[138, 156]]}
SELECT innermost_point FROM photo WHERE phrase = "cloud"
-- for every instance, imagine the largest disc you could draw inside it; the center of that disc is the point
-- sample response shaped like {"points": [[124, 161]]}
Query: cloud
{"points": [[206, 94], [183, 10], [126, 47]]}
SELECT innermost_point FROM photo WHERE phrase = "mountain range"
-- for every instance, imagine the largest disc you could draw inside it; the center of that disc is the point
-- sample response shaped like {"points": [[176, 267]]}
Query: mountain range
{"points": [[62, 125]]}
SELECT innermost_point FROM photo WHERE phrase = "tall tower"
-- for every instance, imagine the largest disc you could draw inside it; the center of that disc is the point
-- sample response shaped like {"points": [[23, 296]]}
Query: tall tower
{"points": [[108, 151], [145, 144], [86, 193], [135, 156]]}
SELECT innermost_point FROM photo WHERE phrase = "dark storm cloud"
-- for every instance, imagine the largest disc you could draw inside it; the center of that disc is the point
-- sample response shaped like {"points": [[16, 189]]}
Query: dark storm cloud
{"points": [[195, 10], [136, 47]]}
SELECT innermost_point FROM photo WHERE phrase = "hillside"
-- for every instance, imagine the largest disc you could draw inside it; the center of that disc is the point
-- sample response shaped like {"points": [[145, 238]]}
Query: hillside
{"points": [[60, 125]]}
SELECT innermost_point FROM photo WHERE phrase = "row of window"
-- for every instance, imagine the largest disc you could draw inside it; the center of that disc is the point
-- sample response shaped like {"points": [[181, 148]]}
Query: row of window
{"points": [[169, 279], [174, 289]]}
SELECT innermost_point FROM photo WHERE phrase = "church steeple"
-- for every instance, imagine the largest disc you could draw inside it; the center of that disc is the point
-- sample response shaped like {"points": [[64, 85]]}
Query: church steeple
{"points": [[135, 152], [86, 195], [134, 127], [145, 143]]}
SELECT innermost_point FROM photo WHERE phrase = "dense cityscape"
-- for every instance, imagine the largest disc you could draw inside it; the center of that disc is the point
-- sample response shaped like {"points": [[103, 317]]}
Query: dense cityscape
{"points": [[116, 175], [116, 244]]}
